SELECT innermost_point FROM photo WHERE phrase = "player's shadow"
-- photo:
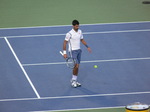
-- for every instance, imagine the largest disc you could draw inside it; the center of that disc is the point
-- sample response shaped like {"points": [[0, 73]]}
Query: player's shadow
{"points": [[96, 99], [86, 91], [70, 91], [101, 101]]}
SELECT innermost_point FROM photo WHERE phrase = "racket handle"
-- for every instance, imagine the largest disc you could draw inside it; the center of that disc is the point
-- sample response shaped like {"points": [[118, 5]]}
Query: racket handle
{"points": [[61, 53]]}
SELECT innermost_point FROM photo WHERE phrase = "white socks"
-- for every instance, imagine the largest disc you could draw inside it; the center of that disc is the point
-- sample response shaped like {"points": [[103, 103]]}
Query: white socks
{"points": [[74, 77]]}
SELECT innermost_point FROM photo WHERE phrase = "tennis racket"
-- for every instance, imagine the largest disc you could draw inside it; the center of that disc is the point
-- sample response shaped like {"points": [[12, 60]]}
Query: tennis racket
{"points": [[70, 62]]}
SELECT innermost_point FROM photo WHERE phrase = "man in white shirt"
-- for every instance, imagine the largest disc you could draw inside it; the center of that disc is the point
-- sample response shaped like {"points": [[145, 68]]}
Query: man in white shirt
{"points": [[74, 37]]}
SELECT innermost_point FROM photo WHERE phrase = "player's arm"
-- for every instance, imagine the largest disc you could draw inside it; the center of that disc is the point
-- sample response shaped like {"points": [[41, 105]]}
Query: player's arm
{"points": [[84, 43], [67, 38], [64, 48]]}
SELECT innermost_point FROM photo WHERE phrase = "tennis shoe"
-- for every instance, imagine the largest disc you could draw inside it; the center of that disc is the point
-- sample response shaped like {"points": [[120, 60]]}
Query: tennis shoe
{"points": [[78, 84], [74, 83]]}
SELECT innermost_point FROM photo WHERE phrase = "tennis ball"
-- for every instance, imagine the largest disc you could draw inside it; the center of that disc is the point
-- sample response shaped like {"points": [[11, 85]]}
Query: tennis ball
{"points": [[95, 66]]}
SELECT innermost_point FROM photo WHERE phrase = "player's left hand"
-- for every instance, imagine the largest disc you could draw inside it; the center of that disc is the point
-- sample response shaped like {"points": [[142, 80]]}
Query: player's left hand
{"points": [[89, 49]]}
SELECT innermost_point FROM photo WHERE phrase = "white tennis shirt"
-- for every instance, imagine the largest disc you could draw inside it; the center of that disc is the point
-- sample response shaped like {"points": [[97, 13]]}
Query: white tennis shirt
{"points": [[74, 38]]}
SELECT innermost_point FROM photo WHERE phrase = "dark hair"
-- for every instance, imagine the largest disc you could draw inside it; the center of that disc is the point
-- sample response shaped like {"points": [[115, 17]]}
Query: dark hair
{"points": [[75, 22]]}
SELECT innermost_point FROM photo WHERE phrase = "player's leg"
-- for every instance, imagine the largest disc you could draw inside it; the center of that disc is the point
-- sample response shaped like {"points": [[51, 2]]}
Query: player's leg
{"points": [[77, 57], [74, 76], [76, 54], [76, 69]]}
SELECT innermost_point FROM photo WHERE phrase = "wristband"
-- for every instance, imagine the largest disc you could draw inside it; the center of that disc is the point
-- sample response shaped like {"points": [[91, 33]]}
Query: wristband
{"points": [[87, 46], [64, 52]]}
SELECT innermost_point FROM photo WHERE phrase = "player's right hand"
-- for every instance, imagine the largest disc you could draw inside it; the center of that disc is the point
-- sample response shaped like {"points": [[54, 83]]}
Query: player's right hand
{"points": [[65, 56]]}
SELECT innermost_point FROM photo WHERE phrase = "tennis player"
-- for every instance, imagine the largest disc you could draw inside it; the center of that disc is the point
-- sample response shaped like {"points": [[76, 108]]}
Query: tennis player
{"points": [[75, 36]]}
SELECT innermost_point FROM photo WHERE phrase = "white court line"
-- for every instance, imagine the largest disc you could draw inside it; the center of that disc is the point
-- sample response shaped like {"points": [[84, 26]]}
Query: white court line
{"points": [[96, 61], [22, 68], [77, 96], [65, 110], [80, 25], [85, 33]]}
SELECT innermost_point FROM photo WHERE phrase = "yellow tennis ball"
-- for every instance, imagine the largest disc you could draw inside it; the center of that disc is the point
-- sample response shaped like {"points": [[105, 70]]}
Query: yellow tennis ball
{"points": [[95, 66]]}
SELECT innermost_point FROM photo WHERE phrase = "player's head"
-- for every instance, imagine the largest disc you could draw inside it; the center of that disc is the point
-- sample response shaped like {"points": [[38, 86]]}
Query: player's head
{"points": [[75, 24]]}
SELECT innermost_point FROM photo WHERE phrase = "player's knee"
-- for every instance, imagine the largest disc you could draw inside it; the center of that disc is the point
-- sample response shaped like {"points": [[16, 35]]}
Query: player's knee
{"points": [[76, 66]]}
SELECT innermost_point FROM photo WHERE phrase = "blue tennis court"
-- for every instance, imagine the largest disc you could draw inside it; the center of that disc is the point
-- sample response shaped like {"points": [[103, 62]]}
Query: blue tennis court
{"points": [[34, 76]]}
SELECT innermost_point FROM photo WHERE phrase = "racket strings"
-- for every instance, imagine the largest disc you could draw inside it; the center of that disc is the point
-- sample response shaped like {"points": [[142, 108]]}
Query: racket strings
{"points": [[71, 62]]}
